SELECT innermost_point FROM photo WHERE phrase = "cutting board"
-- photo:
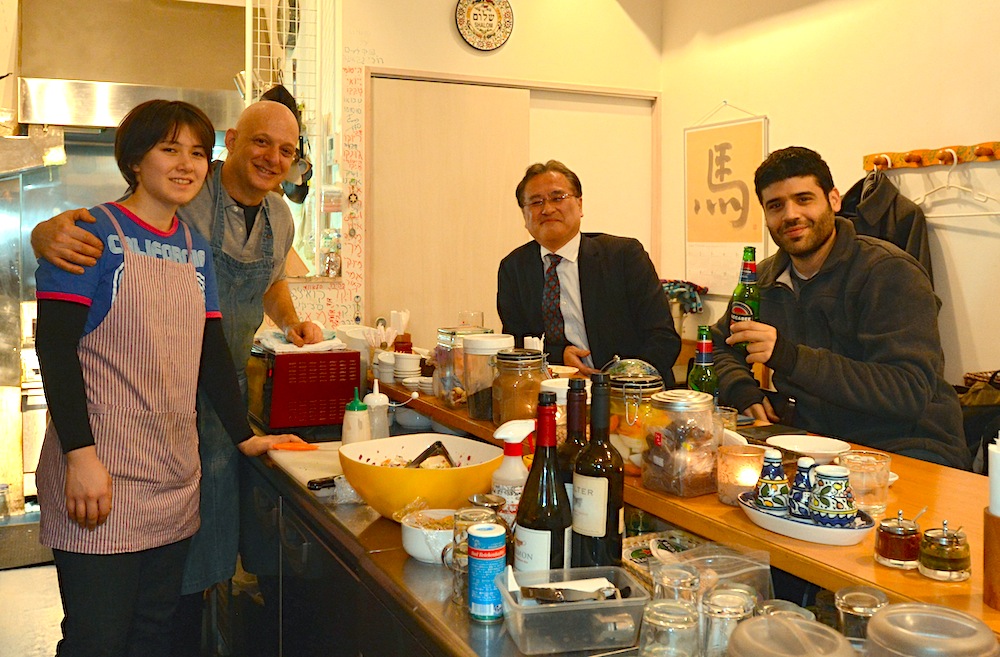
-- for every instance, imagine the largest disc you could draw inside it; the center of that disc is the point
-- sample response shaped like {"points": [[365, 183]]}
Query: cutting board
{"points": [[303, 466]]}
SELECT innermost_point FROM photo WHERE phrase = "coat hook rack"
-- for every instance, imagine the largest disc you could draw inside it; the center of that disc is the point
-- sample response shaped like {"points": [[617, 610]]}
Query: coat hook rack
{"points": [[988, 151]]}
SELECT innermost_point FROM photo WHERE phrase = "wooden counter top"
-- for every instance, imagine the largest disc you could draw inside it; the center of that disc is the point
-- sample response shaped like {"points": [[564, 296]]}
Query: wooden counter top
{"points": [[949, 494]]}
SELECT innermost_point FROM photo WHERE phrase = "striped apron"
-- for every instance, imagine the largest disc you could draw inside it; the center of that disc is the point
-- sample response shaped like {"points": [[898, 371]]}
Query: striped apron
{"points": [[140, 370]]}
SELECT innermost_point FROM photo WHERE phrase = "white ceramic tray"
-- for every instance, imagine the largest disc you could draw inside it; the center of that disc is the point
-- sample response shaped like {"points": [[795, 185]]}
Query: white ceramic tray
{"points": [[806, 530]]}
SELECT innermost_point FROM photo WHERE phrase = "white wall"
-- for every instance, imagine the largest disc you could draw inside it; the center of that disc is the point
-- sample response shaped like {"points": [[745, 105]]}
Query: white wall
{"points": [[8, 53], [846, 78]]}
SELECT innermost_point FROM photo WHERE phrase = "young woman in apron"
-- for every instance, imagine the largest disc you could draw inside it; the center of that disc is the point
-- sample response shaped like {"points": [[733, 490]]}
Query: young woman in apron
{"points": [[121, 349]]}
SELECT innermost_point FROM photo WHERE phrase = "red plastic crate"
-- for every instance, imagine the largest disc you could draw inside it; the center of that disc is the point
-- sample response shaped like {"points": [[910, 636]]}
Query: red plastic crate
{"points": [[302, 390]]}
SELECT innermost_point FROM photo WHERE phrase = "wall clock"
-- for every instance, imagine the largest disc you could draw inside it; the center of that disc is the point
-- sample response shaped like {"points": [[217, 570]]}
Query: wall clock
{"points": [[484, 24]]}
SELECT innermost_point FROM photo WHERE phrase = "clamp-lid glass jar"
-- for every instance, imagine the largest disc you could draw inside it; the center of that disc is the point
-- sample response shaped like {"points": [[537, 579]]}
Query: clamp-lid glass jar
{"points": [[897, 542], [480, 356], [449, 366], [682, 444], [944, 554], [631, 395], [518, 380]]}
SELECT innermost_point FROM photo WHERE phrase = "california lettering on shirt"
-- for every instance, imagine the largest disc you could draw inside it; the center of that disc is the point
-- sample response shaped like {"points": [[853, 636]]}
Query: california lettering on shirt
{"points": [[156, 249]]}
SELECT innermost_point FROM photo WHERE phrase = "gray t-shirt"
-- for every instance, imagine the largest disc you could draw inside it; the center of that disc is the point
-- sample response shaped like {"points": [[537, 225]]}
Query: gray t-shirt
{"points": [[200, 215]]}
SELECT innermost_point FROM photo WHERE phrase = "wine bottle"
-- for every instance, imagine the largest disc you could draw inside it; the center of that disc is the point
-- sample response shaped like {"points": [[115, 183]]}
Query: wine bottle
{"points": [[543, 524], [576, 432], [745, 304], [702, 377], [598, 488]]}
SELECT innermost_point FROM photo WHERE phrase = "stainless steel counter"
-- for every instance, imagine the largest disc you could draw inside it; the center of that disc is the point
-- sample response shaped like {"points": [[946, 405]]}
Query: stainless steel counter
{"points": [[418, 594]]}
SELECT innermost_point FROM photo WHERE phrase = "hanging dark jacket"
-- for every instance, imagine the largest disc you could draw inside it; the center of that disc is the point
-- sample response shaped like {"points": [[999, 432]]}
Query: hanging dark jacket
{"points": [[875, 207]]}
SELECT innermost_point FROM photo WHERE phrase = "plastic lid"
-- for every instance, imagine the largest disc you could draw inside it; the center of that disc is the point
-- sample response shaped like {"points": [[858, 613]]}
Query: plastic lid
{"points": [[916, 629], [355, 404], [488, 343], [561, 388], [375, 398], [679, 399], [778, 636]]}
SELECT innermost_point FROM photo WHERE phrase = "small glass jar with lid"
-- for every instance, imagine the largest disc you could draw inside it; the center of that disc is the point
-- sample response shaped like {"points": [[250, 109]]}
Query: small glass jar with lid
{"points": [[682, 444], [897, 542], [449, 365], [631, 407], [518, 380], [944, 554], [480, 369]]}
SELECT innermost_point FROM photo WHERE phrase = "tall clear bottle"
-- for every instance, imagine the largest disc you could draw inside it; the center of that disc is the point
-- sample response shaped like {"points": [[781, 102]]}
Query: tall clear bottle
{"points": [[598, 487], [542, 530], [576, 432], [702, 377], [745, 304]]}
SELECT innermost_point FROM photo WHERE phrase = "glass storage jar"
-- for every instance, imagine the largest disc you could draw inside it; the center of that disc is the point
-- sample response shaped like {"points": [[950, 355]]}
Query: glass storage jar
{"points": [[518, 380], [897, 542], [631, 396], [480, 368], [449, 366], [682, 444], [944, 554]]}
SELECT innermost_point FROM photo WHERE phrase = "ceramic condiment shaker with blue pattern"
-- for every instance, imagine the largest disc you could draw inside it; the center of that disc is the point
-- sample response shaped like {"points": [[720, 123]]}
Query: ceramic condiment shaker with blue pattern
{"points": [[831, 502], [772, 487], [798, 500]]}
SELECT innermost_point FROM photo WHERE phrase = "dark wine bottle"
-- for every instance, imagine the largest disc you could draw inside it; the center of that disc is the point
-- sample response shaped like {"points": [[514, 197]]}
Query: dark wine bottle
{"points": [[544, 521], [576, 432], [598, 488]]}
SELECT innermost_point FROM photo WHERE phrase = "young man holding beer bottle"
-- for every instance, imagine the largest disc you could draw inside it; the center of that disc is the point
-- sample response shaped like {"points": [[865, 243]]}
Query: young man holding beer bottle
{"points": [[848, 325]]}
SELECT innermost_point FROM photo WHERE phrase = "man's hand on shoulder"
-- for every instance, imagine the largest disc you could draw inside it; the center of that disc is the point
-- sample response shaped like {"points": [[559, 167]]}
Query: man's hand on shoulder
{"points": [[67, 246], [304, 333], [573, 356]]}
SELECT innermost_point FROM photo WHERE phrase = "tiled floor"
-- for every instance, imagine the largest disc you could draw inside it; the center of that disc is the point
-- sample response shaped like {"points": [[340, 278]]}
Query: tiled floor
{"points": [[29, 626]]}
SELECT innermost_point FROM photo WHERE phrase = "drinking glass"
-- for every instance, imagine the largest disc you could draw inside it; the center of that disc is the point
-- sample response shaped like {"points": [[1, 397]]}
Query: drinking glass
{"points": [[869, 479], [855, 606], [674, 581], [669, 629], [470, 318], [726, 415], [455, 555], [722, 610]]}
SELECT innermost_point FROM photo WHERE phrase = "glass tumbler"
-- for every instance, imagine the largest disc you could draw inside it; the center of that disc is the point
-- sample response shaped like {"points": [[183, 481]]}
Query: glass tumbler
{"points": [[675, 581], [855, 606], [722, 610], [669, 629]]}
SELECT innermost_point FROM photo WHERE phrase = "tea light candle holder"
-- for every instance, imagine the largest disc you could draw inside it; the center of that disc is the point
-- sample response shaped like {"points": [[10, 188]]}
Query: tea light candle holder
{"points": [[738, 470]]}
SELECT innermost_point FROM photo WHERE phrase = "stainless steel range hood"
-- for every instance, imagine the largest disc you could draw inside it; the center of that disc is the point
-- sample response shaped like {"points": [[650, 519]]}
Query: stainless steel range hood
{"points": [[88, 63], [94, 104]]}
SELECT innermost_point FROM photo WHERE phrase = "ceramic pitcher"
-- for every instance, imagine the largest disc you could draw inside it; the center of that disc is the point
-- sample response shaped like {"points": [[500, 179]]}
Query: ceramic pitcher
{"points": [[831, 501], [798, 500], [772, 487]]}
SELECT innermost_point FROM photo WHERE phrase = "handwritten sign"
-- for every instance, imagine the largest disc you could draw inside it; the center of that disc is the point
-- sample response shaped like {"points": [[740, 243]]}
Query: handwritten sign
{"points": [[721, 210]]}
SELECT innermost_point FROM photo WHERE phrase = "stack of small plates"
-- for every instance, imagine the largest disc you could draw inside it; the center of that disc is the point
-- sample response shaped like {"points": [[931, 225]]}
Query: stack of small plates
{"points": [[406, 374], [426, 385]]}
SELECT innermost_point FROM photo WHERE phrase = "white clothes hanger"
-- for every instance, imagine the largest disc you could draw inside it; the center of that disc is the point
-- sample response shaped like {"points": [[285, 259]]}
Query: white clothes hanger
{"points": [[978, 196]]}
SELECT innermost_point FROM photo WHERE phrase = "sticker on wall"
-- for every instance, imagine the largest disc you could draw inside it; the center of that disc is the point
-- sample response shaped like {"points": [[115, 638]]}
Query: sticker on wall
{"points": [[484, 24]]}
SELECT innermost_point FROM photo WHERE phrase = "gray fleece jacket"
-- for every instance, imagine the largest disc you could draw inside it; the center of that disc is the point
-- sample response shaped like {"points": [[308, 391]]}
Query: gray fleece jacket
{"points": [[858, 348]]}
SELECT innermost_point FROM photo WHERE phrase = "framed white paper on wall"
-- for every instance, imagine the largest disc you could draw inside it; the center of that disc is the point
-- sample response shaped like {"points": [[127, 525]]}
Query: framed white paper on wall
{"points": [[721, 212]]}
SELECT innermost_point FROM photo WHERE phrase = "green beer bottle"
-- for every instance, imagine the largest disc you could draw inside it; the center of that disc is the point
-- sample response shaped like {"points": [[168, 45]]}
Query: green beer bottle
{"points": [[745, 305], [702, 376]]}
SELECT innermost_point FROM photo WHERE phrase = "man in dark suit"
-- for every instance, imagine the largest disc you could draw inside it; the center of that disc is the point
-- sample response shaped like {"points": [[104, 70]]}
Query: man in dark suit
{"points": [[607, 300]]}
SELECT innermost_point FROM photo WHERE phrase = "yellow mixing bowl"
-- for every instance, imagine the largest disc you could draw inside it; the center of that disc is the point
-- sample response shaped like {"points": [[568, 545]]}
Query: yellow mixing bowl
{"points": [[390, 489]]}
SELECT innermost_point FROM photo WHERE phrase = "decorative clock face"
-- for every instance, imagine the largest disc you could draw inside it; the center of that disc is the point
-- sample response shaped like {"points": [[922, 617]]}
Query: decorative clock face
{"points": [[484, 24]]}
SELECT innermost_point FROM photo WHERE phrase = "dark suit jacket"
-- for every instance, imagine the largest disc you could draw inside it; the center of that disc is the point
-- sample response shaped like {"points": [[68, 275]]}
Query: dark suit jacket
{"points": [[625, 309]]}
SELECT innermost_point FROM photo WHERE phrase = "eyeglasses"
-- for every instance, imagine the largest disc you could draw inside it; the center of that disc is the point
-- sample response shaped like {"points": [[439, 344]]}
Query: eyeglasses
{"points": [[538, 203]]}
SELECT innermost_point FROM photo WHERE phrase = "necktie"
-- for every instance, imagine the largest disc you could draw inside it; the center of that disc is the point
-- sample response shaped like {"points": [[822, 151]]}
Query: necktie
{"points": [[552, 318]]}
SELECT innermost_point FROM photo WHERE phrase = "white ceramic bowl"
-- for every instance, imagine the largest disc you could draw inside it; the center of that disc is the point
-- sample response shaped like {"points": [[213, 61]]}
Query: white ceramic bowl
{"points": [[821, 448], [563, 371], [411, 382], [426, 544], [411, 419], [406, 362]]}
